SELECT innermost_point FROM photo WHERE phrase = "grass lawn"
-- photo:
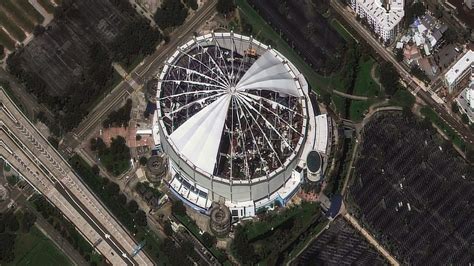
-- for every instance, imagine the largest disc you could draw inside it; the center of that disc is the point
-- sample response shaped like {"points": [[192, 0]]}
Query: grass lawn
{"points": [[263, 31], [342, 30], [111, 84], [403, 98], [5, 85], [13, 29], [34, 248], [30, 10], [358, 109], [435, 119], [6, 41], [365, 85], [303, 212], [18, 15], [339, 103]]}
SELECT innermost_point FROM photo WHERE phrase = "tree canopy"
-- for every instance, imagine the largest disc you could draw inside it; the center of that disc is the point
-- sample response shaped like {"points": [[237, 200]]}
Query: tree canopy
{"points": [[191, 4], [225, 6], [389, 78], [7, 244], [116, 158], [418, 9], [120, 117], [208, 239], [178, 208], [137, 39], [170, 14]]}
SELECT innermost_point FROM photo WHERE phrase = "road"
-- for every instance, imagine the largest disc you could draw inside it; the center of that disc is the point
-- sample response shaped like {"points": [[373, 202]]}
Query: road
{"points": [[141, 74], [21, 199], [415, 86], [23, 146]]}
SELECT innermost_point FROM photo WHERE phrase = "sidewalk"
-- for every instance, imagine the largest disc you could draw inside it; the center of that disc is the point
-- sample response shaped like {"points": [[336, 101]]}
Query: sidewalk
{"points": [[371, 239]]}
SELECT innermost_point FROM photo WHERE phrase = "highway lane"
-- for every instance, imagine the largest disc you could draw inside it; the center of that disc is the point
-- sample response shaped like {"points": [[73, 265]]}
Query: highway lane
{"points": [[414, 85], [26, 166], [143, 72], [104, 233], [52, 176]]}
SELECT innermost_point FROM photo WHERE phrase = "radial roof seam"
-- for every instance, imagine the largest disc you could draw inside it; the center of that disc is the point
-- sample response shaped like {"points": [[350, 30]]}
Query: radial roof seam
{"points": [[265, 61], [272, 73], [197, 137]]}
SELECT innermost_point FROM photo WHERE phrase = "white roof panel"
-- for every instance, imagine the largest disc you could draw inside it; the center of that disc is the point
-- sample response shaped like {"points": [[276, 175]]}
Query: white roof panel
{"points": [[199, 137]]}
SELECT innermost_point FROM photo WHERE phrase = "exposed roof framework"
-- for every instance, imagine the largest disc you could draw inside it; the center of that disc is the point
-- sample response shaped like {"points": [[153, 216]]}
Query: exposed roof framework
{"points": [[235, 109]]}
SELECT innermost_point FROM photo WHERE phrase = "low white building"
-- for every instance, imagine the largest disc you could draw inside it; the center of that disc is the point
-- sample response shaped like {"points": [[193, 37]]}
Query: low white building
{"points": [[459, 71], [465, 100], [383, 15]]}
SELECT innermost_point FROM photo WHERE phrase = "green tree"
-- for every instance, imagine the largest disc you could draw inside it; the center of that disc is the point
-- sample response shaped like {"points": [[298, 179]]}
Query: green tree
{"points": [[38, 30], [132, 206], [399, 55], [450, 36], [167, 228], [225, 6], [326, 98], [97, 144], [389, 78], [12, 222], [242, 249], [470, 153], [116, 158], [191, 4], [2, 224], [177, 208], [120, 117], [27, 220], [420, 74], [136, 39], [454, 107], [140, 218], [7, 244], [208, 239], [143, 160], [465, 119], [418, 9], [170, 14]]}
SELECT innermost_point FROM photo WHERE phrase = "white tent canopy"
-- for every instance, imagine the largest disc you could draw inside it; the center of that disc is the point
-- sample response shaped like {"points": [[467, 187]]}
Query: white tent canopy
{"points": [[198, 138]]}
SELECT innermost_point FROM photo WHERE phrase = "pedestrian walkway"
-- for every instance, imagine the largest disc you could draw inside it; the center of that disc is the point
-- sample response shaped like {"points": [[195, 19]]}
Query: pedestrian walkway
{"points": [[371, 239], [350, 96]]}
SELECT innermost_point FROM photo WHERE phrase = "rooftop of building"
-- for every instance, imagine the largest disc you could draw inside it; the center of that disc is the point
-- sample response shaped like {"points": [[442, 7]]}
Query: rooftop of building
{"points": [[461, 65], [388, 13]]}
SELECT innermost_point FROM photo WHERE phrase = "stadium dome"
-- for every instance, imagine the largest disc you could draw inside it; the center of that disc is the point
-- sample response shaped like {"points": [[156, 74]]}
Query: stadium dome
{"points": [[232, 116]]}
